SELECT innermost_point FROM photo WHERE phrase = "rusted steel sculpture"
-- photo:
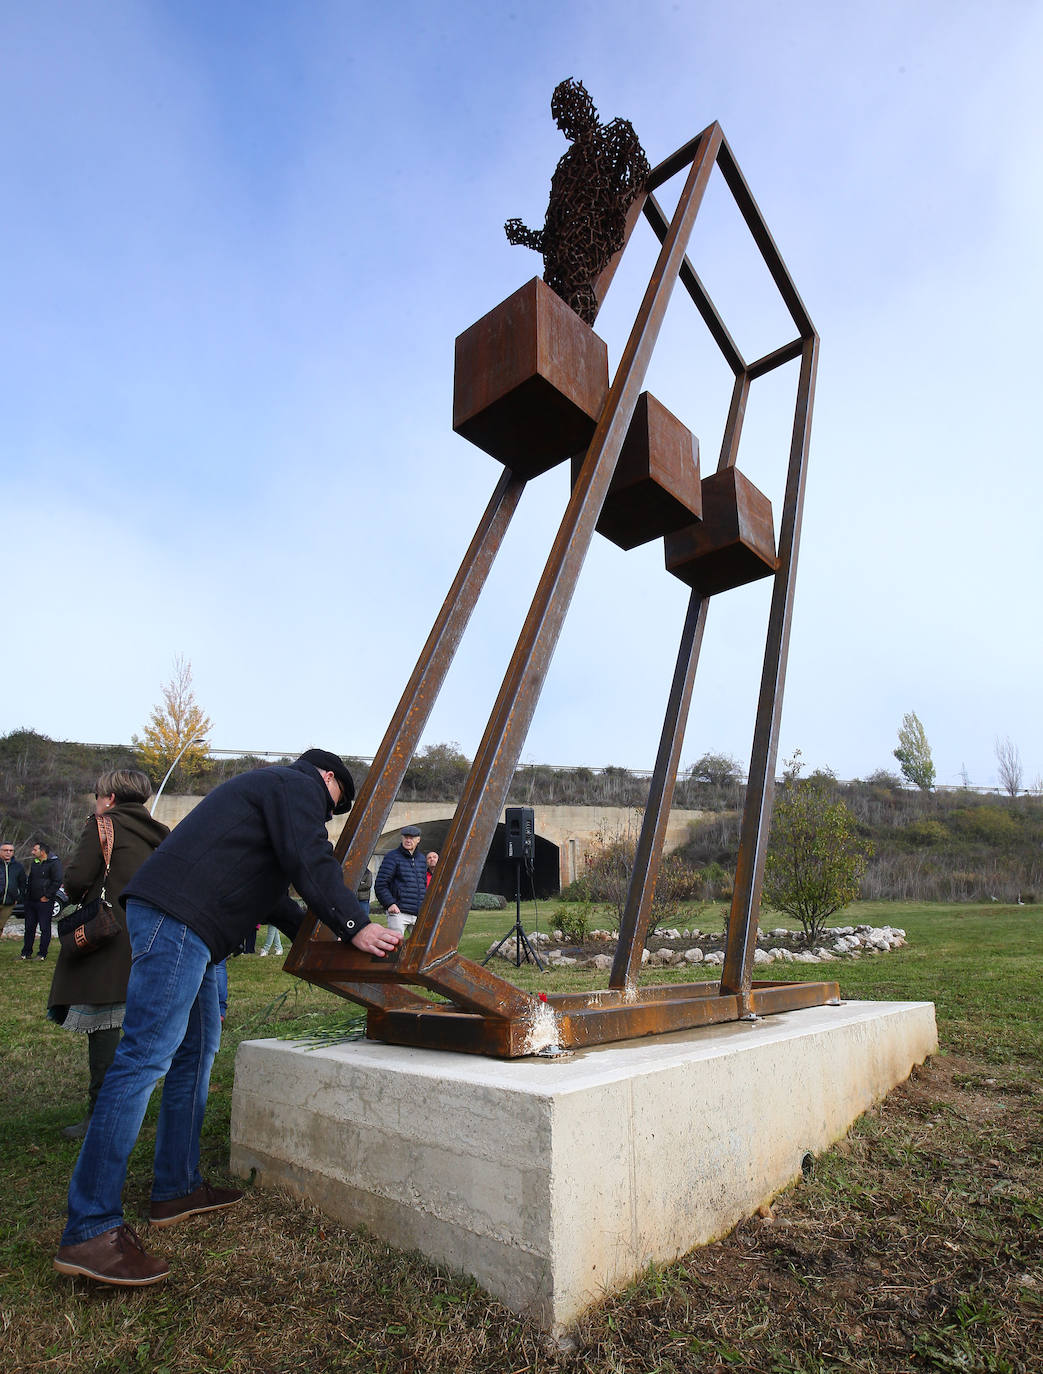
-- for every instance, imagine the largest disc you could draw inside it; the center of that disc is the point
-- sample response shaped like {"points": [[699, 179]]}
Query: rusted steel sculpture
{"points": [[591, 191], [527, 362]]}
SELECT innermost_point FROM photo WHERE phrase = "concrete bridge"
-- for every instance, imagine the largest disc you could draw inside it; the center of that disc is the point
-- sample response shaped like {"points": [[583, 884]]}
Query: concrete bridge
{"points": [[564, 835]]}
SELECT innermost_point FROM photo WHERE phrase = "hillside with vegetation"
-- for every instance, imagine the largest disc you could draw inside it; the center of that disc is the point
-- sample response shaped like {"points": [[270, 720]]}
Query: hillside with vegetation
{"points": [[47, 786], [948, 846], [951, 846]]}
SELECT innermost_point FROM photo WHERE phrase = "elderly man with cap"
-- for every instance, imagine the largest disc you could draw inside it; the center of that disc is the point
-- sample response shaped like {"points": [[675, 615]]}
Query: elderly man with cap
{"points": [[227, 866], [402, 880]]}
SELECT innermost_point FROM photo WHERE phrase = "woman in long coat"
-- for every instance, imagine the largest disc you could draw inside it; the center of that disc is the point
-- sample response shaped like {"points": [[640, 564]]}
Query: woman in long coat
{"points": [[89, 992]]}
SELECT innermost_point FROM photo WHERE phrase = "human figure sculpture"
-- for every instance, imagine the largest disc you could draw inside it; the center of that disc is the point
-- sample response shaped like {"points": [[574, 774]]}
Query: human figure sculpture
{"points": [[592, 188]]}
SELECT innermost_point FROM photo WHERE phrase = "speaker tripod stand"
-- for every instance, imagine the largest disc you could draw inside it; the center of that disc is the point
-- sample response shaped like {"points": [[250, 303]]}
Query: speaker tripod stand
{"points": [[522, 945]]}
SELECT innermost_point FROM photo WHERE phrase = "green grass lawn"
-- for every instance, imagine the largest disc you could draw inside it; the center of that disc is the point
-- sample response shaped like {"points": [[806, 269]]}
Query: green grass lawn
{"points": [[274, 1286]]}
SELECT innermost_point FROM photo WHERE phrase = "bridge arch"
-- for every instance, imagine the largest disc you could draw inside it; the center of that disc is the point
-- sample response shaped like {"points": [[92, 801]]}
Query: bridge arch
{"points": [[564, 834]]}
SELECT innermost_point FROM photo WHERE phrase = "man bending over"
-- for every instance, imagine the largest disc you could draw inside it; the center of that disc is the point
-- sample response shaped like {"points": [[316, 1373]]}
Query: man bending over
{"points": [[225, 868]]}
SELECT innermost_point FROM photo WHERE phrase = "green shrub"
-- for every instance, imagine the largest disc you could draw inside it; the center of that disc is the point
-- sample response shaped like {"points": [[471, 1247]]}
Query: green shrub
{"points": [[815, 857], [488, 901], [992, 824], [925, 833], [578, 891], [573, 921], [717, 882]]}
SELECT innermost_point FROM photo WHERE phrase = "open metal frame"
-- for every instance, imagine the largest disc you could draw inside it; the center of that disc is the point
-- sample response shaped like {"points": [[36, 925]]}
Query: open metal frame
{"points": [[483, 1013]]}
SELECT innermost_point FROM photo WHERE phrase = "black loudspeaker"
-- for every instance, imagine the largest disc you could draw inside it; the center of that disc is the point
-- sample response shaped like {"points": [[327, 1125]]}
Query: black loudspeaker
{"points": [[520, 831]]}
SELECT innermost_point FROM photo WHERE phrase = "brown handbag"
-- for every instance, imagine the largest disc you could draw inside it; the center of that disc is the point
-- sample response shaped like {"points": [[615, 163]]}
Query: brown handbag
{"points": [[94, 923]]}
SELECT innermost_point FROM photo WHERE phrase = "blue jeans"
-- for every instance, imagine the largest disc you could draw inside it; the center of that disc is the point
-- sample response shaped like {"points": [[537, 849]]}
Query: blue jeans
{"points": [[221, 970], [172, 1027]]}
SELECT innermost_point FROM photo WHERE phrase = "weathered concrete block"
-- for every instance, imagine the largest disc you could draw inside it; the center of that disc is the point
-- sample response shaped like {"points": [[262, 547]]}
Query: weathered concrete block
{"points": [[554, 1182]]}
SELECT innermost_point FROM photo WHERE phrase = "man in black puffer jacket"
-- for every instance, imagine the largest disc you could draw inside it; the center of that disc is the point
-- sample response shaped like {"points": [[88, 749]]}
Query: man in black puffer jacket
{"points": [[223, 869], [41, 887]]}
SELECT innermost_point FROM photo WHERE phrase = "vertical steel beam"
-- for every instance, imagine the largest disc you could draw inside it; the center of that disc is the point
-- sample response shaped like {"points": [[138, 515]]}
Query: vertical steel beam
{"points": [[736, 974], [633, 928]]}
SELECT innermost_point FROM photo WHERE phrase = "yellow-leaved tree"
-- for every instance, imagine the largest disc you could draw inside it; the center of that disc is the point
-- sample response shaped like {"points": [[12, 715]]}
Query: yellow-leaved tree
{"points": [[177, 726]]}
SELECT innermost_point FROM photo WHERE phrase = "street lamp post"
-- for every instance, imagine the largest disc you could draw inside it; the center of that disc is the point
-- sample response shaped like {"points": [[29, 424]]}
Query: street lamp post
{"points": [[183, 750]]}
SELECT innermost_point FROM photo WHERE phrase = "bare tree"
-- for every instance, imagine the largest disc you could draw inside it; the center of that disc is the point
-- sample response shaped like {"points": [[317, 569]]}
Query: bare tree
{"points": [[1008, 760]]}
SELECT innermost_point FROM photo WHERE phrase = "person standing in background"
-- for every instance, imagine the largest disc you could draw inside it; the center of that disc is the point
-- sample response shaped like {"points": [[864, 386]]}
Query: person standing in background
{"points": [[402, 881], [89, 992], [273, 941], [42, 883], [12, 882], [364, 891]]}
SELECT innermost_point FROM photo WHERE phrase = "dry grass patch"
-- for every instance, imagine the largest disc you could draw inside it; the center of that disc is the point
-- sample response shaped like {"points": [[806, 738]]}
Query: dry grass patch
{"points": [[914, 1244]]}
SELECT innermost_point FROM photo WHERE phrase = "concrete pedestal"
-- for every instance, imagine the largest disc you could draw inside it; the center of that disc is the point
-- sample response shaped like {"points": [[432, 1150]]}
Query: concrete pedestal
{"points": [[554, 1182]]}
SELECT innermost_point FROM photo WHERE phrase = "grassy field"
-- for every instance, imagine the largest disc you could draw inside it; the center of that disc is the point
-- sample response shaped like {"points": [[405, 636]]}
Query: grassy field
{"points": [[915, 1244]]}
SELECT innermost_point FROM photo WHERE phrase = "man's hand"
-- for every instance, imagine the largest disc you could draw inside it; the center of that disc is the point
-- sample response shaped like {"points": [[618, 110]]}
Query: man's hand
{"points": [[374, 939]]}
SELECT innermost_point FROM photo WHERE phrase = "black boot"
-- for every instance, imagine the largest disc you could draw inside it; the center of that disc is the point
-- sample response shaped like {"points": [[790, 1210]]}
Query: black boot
{"points": [[101, 1050]]}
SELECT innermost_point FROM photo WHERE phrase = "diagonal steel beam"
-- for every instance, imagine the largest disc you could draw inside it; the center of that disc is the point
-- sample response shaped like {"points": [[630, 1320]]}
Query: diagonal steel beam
{"points": [[365, 823]]}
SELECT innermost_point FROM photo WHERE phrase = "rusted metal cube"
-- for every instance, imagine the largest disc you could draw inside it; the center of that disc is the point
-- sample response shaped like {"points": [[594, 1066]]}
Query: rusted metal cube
{"points": [[733, 544], [531, 381], [655, 488]]}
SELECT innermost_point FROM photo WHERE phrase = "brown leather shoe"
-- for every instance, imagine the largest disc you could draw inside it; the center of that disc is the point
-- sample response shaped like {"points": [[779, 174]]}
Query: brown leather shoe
{"points": [[204, 1199], [115, 1257]]}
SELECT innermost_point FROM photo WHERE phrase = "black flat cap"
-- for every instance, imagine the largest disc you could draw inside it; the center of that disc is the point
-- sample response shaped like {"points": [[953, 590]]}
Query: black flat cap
{"points": [[411, 830], [332, 763]]}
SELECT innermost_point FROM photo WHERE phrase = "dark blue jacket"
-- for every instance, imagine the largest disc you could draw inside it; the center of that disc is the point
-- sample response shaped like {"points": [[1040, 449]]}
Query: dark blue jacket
{"points": [[227, 866], [44, 879], [402, 880], [12, 882]]}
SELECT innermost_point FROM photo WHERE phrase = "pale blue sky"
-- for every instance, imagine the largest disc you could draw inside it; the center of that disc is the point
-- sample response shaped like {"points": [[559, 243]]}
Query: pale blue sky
{"points": [[240, 239]]}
